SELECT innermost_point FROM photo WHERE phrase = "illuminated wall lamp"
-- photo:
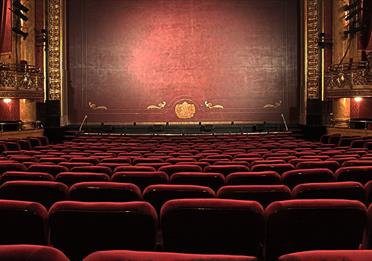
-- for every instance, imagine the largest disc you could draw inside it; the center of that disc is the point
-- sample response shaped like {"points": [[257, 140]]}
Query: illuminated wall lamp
{"points": [[7, 100], [358, 99]]}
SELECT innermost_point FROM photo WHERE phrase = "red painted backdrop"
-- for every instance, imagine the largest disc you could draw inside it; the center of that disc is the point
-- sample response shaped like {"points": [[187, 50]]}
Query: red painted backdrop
{"points": [[127, 55], [361, 109], [5, 26]]}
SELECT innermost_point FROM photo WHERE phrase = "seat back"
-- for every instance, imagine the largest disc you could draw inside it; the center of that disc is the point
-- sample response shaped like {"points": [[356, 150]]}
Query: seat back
{"points": [[31, 253], [300, 225], [81, 228], [299, 176], [219, 226]]}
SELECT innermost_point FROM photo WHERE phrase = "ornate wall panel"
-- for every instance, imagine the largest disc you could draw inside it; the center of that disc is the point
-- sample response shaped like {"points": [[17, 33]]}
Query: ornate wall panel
{"points": [[312, 56], [55, 49], [183, 60]]}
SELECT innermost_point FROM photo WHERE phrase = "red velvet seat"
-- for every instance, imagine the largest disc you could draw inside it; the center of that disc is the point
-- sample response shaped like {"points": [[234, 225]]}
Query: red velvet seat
{"points": [[71, 165], [213, 226], [253, 178], [336, 190], [226, 169], [332, 165], [104, 192], [354, 173], [51, 169], [8, 166], [279, 168], [31, 253], [97, 169], [81, 228], [147, 160], [154, 165], [43, 192], [329, 255], [22, 158], [358, 162], [92, 160], [263, 194], [25, 175], [115, 255], [116, 160], [70, 178], [321, 224], [141, 179], [55, 160], [157, 195], [134, 168], [23, 222], [212, 180], [171, 169], [298, 176]]}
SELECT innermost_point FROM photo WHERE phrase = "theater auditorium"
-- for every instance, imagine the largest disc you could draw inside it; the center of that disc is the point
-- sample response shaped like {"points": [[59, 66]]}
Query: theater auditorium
{"points": [[185, 130]]}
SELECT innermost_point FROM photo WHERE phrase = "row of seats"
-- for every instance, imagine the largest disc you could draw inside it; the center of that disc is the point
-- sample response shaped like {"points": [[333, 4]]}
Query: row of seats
{"points": [[186, 174], [47, 192], [213, 226]]}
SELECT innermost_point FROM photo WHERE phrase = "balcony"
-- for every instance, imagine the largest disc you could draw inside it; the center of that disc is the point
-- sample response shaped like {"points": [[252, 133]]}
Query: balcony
{"points": [[21, 81], [348, 80]]}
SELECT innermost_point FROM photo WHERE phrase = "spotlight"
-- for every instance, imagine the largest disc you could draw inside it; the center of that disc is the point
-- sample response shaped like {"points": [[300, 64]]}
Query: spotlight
{"points": [[20, 6], [358, 99], [19, 31], [7, 100]]}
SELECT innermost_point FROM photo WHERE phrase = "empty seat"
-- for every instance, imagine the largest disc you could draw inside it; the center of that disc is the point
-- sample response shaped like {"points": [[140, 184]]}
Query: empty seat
{"points": [[23, 222], [115, 255], [25, 175], [329, 255], [116, 160], [368, 188], [105, 191], [43, 192], [154, 165], [92, 160], [226, 169], [253, 178], [358, 162], [337, 190], [171, 169], [70, 165], [97, 169], [298, 176], [212, 180], [7, 166], [157, 195], [134, 168], [327, 164], [81, 228], [213, 226], [141, 179], [368, 235], [263, 194], [51, 169], [31, 253], [279, 168], [300, 225], [355, 173], [70, 178]]}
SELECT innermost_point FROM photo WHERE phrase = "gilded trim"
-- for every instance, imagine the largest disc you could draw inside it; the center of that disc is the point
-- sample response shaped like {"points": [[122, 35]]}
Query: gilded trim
{"points": [[55, 48], [312, 50]]}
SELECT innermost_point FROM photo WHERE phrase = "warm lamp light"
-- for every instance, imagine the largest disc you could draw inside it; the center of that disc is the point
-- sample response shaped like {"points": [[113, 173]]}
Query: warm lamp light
{"points": [[358, 99], [7, 100]]}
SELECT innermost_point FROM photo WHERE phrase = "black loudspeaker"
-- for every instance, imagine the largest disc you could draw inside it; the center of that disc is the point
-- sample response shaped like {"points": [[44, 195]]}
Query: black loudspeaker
{"points": [[49, 113]]}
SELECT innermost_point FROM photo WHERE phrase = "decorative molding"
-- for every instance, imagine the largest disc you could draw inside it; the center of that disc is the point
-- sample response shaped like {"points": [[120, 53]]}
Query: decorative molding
{"points": [[185, 110], [312, 56], [55, 48], [21, 81], [158, 106], [211, 106]]}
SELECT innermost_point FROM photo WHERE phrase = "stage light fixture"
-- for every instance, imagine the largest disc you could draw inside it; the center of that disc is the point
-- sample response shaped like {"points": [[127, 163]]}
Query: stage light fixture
{"points": [[20, 6], [7, 100], [20, 32], [358, 99]]}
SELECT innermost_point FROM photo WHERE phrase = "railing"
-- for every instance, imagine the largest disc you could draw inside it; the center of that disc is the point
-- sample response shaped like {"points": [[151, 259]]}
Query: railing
{"points": [[347, 76], [19, 126], [21, 81]]}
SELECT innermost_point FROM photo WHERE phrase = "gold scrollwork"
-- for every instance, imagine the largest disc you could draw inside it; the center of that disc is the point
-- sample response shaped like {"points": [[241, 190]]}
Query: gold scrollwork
{"points": [[274, 105], [185, 110], [209, 105], [95, 107], [159, 106]]}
